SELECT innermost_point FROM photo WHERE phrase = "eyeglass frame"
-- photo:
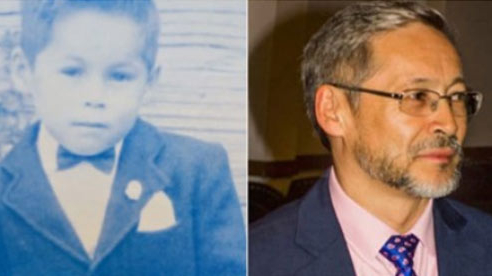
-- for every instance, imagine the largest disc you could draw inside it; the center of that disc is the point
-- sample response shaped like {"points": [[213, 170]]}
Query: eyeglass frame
{"points": [[400, 96]]}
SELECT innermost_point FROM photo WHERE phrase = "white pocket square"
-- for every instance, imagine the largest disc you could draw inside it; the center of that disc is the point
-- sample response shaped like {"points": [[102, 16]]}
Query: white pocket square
{"points": [[157, 214]]}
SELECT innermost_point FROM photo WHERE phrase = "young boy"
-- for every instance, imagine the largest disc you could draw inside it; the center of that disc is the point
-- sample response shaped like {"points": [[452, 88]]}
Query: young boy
{"points": [[92, 189]]}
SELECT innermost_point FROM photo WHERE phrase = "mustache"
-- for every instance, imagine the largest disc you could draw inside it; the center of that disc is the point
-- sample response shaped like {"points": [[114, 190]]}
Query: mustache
{"points": [[440, 141]]}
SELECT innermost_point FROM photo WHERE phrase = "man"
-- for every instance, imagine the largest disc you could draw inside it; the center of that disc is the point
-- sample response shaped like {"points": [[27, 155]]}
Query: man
{"points": [[384, 88]]}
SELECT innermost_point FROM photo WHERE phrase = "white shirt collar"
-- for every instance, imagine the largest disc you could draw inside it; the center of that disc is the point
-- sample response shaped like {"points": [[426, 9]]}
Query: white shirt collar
{"points": [[47, 147]]}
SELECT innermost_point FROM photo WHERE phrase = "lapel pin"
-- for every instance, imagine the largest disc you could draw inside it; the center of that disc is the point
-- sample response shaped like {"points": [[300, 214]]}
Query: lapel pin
{"points": [[134, 190]]}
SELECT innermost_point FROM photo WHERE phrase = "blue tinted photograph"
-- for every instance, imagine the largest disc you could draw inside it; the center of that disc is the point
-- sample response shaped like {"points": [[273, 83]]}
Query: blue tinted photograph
{"points": [[122, 137]]}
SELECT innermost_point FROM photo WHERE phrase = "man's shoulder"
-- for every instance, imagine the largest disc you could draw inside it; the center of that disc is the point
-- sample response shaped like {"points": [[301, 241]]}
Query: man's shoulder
{"points": [[460, 231], [279, 223], [283, 230], [475, 218], [273, 249]]}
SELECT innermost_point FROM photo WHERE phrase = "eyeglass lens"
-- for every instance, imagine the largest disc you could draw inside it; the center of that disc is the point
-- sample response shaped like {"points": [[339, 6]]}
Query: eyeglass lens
{"points": [[422, 103]]}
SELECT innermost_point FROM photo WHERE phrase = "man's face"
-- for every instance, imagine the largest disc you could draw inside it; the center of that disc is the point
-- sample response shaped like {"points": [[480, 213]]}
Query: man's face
{"points": [[419, 155], [89, 80]]}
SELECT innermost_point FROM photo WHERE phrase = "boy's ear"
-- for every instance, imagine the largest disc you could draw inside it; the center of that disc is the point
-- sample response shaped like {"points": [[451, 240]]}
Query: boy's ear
{"points": [[154, 75], [20, 69], [328, 111]]}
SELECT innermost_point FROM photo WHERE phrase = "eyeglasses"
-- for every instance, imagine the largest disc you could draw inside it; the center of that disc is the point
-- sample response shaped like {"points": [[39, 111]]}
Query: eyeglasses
{"points": [[423, 102]]}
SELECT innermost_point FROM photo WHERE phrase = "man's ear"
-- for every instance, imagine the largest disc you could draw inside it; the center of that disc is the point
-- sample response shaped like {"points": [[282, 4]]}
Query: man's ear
{"points": [[21, 70], [328, 110]]}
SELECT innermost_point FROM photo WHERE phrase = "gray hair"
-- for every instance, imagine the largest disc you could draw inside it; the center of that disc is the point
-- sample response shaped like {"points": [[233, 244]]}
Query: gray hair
{"points": [[340, 51]]}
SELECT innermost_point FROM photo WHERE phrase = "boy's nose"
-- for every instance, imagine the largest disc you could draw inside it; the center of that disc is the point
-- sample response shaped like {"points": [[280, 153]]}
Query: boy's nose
{"points": [[94, 95]]}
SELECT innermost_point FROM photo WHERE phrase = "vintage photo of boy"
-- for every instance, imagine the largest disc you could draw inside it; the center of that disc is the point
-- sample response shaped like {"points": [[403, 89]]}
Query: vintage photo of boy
{"points": [[91, 188]]}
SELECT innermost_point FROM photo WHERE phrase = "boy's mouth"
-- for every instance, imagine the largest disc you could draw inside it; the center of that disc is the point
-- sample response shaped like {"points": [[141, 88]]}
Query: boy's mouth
{"points": [[90, 124]]}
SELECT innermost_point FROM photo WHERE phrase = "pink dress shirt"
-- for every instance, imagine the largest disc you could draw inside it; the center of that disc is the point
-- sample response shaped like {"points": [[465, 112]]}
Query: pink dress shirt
{"points": [[365, 234]]}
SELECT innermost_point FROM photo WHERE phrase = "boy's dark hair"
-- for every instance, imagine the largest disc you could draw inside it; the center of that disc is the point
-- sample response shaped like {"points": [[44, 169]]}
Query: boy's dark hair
{"points": [[39, 16]]}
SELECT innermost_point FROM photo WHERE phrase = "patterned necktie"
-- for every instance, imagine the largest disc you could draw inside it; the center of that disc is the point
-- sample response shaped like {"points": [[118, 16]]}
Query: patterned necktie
{"points": [[103, 161], [399, 250]]}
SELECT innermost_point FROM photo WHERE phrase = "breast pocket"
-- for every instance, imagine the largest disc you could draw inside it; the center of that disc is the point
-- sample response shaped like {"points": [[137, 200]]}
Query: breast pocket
{"points": [[170, 249]]}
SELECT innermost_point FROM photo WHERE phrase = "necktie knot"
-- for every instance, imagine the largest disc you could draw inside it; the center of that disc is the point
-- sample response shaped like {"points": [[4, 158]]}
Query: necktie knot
{"points": [[399, 250], [103, 161]]}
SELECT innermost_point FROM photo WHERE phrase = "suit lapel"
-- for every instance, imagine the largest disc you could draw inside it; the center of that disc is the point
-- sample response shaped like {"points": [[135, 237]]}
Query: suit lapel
{"points": [[319, 233], [136, 164], [30, 195], [457, 250]]}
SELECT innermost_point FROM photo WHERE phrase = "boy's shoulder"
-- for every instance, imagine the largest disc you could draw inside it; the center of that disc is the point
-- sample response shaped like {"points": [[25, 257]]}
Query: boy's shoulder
{"points": [[148, 135], [174, 151]]}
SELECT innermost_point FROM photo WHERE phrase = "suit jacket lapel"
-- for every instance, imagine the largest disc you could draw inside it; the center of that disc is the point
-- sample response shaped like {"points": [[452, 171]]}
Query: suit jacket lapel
{"points": [[30, 195], [457, 250], [136, 164], [319, 233]]}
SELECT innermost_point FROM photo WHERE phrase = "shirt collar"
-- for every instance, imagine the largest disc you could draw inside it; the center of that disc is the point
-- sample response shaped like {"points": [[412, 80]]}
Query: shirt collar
{"points": [[366, 231]]}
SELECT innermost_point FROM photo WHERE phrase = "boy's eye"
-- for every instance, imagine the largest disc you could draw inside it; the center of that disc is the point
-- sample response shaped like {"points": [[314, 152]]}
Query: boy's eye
{"points": [[121, 76], [71, 71]]}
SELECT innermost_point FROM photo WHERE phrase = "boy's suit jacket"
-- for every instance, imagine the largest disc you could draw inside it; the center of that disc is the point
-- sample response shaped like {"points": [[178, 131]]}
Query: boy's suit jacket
{"points": [[304, 238], [207, 239]]}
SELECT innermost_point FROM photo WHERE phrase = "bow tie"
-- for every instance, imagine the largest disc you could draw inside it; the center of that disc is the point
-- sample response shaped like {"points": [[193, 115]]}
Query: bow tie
{"points": [[103, 161]]}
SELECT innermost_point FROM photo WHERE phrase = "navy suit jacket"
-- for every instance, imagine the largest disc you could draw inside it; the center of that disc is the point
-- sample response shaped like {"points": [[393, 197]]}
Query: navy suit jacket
{"points": [[37, 239], [304, 238]]}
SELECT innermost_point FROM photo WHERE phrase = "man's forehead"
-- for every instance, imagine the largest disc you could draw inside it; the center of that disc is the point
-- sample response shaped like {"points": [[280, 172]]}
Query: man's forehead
{"points": [[423, 81], [415, 54]]}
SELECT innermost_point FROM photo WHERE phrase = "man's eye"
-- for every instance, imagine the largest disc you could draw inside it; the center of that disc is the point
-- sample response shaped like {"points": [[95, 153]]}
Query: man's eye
{"points": [[458, 96], [72, 71], [121, 76], [419, 95]]}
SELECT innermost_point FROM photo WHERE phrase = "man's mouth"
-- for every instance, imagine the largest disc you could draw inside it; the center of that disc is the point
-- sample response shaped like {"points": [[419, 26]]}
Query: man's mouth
{"points": [[437, 155]]}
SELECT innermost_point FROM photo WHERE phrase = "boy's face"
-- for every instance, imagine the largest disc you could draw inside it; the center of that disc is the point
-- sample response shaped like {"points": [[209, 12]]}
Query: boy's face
{"points": [[89, 80]]}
